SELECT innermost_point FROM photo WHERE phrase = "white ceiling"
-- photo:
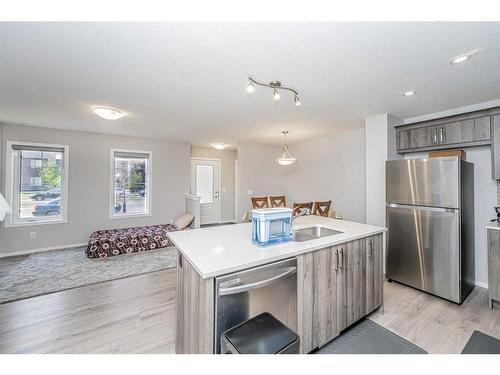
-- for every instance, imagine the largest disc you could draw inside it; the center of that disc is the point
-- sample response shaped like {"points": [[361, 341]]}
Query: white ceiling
{"points": [[186, 81]]}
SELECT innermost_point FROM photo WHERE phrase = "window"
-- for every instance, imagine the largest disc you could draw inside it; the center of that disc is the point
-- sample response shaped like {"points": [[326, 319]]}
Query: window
{"points": [[130, 183], [36, 163], [36, 183], [205, 183]]}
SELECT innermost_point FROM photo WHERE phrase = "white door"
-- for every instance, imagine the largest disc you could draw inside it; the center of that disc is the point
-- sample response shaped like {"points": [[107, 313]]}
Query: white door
{"points": [[205, 184]]}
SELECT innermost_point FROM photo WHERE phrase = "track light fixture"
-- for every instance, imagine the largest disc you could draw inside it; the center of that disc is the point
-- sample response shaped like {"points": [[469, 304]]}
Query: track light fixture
{"points": [[275, 85]]}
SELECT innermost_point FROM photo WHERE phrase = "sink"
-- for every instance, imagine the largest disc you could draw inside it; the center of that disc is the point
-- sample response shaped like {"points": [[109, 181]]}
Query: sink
{"points": [[312, 233]]}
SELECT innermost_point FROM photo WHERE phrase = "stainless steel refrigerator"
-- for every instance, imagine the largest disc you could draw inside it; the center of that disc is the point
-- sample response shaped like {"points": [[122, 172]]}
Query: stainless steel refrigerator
{"points": [[430, 220]]}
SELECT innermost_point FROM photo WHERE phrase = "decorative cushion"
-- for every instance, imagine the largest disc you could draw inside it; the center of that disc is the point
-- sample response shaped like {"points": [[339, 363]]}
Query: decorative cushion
{"points": [[107, 243], [183, 221]]}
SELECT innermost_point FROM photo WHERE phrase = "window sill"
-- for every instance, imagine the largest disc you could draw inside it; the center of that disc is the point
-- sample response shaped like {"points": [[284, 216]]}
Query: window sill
{"points": [[129, 216], [34, 223]]}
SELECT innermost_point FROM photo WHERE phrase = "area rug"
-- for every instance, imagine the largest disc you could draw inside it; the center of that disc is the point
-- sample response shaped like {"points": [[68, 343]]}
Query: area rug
{"points": [[481, 343], [367, 337], [52, 271]]}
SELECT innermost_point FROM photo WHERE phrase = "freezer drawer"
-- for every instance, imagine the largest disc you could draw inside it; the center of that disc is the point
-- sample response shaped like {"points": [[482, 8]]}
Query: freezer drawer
{"points": [[423, 249], [424, 182]]}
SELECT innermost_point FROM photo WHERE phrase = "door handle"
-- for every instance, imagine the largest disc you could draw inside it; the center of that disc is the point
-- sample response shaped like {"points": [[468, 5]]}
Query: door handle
{"points": [[257, 284], [342, 259], [440, 135], [370, 249], [435, 136], [337, 263]]}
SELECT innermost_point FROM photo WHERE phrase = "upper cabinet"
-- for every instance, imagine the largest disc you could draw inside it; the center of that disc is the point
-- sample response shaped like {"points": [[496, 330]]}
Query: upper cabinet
{"points": [[465, 130], [495, 147], [462, 133]]}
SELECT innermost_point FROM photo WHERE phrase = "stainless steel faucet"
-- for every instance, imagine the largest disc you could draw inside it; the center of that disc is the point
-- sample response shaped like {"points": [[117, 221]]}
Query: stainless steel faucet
{"points": [[307, 211]]}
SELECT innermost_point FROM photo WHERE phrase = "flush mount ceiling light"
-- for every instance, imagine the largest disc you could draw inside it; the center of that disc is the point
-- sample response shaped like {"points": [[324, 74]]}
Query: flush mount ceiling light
{"points": [[219, 146], [108, 113], [409, 93], [285, 158], [460, 59], [276, 86]]}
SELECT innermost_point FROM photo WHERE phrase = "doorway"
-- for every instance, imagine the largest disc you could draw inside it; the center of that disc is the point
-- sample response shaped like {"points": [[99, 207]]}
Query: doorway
{"points": [[205, 183]]}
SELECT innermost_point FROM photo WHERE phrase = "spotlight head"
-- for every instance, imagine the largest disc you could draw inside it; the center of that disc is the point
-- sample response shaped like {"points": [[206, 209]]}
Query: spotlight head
{"points": [[276, 95]]}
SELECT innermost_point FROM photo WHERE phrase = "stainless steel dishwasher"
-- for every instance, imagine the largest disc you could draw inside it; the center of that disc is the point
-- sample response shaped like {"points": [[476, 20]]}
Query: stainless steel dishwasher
{"points": [[270, 288]]}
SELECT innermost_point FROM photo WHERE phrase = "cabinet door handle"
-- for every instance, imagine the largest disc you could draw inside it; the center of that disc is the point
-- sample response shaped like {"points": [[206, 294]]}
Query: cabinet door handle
{"points": [[337, 261], [342, 259], [435, 136], [370, 249], [440, 135]]}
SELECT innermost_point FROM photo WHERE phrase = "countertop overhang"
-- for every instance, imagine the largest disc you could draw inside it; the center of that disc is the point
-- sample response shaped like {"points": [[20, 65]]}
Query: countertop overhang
{"points": [[220, 250]]}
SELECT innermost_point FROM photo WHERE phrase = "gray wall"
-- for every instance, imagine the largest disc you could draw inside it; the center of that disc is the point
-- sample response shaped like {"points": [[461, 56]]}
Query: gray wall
{"points": [[89, 184], [227, 158], [328, 168], [259, 174], [331, 168]]}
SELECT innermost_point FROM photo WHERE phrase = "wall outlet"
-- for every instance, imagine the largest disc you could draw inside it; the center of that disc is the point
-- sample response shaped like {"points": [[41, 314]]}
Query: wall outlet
{"points": [[249, 192], [32, 234]]}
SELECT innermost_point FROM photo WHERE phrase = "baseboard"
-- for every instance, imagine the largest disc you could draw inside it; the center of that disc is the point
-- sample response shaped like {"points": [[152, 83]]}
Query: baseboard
{"points": [[227, 221], [42, 249], [481, 284]]}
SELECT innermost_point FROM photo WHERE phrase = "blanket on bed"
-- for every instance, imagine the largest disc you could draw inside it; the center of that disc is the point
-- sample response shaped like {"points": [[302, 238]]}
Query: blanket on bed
{"points": [[107, 243]]}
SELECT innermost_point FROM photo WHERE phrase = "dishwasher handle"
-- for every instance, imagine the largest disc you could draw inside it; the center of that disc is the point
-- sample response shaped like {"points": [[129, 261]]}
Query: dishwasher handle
{"points": [[258, 284]]}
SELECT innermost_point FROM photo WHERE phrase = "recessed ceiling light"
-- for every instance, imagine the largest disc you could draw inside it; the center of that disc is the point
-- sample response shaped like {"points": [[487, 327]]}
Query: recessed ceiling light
{"points": [[108, 113], [460, 59], [219, 146], [409, 93]]}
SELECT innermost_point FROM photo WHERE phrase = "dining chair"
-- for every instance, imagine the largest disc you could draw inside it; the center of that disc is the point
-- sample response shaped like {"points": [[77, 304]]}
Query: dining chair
{"points": [[279, 201], [321, 208], [299, 208], [260, 202]]}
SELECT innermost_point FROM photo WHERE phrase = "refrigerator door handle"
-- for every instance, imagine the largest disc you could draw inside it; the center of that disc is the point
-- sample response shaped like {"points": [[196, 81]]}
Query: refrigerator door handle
{"points": [[426, 208]]}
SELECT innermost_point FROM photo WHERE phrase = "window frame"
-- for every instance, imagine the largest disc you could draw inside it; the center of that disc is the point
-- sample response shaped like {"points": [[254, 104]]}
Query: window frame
{"points": [[10, 221], [149, 175]]}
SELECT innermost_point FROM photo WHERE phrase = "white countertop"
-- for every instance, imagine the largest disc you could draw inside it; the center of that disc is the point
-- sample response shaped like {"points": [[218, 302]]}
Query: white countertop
{"points": [[219, 250], [494, 226]]}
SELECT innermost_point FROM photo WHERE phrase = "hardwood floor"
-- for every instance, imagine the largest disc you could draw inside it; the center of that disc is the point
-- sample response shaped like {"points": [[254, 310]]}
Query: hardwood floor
{"points": [[434, 324], [137, 315], [132, 315]]}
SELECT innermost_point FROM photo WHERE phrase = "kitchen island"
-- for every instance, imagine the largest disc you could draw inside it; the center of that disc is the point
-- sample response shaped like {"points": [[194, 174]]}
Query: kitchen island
{"points": [[338, 278]]}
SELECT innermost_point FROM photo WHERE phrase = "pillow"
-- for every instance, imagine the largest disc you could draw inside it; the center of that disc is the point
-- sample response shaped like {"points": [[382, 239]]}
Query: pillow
{"points": [[183, 221]]}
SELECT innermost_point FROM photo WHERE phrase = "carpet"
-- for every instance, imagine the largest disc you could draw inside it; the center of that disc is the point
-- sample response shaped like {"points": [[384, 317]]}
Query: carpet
{"points": [[367, 337], [52, 271], [481, 343]]}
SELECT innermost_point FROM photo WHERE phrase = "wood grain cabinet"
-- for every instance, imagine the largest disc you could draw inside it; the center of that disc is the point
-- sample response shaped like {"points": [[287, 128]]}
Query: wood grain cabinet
{"points": [[495, 147], [493, 266], [342, 283], [457, 131]]}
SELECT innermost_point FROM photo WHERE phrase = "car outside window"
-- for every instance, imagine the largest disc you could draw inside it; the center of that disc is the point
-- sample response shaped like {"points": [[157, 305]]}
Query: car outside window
{"points": [[130, 183], [37, 195]]}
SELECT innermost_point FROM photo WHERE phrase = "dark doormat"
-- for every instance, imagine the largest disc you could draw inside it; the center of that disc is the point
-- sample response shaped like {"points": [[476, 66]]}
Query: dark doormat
{"points": [[481, 343], [367, 337]]}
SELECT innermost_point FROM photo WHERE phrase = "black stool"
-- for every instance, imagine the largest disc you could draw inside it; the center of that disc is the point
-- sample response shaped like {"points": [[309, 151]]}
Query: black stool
{"points": [[262, 334]]}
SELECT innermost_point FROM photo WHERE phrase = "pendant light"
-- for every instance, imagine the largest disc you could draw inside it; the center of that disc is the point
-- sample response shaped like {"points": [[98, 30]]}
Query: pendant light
{"points": [[285, 158]]}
